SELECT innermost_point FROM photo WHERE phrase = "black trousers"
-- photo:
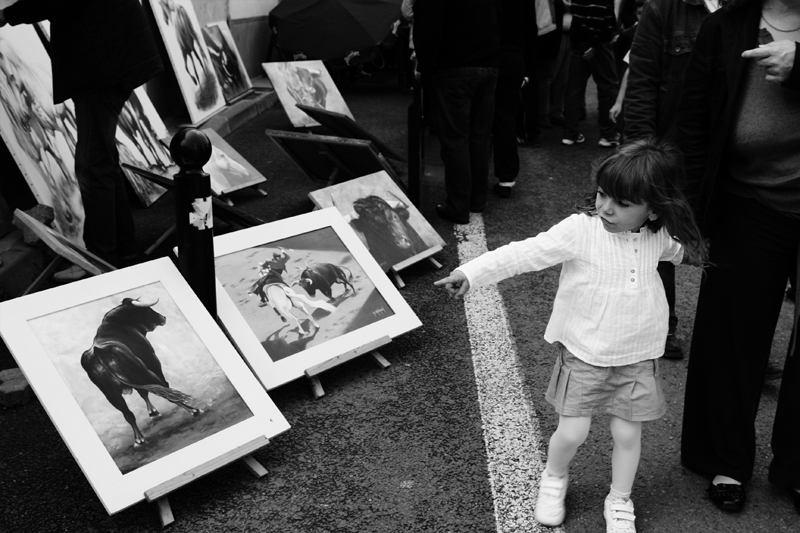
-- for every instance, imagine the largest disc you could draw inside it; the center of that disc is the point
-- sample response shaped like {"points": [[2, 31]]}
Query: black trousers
{"points": [[464, 111], [504, 126], [754, 253]]}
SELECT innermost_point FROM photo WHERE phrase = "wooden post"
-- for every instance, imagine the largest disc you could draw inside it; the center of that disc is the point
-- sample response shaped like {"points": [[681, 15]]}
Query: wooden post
{"points": [[313, 373], [191, 149]]}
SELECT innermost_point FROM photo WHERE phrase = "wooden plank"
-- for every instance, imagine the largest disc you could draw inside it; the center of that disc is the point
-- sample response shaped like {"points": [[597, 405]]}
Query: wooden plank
{"points": [[316, 387], [165, 488], [397, 279], [436, 264], [255, 468], [164, 511], [347, 356], [383, 363], [416, 258]]}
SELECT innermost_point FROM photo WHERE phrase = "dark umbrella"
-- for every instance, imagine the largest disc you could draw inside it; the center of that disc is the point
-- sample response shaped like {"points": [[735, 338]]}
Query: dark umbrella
{"points": [[332, 29]]}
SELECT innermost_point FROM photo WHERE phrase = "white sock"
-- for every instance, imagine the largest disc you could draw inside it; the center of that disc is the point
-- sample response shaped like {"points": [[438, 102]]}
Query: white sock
{"points": [[617, 495]]}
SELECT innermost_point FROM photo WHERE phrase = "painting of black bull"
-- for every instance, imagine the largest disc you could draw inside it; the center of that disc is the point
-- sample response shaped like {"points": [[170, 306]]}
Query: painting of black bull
{"points": [[122, 360], [322, 276], [389, 236]]}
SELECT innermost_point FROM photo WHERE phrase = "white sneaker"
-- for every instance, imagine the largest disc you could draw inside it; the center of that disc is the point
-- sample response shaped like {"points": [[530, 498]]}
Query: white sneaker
{"points": [[550, 510], [619, 515], [569, 141]]}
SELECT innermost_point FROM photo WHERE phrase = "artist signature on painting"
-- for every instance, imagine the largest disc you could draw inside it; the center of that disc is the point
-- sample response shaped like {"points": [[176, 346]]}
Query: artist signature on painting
{"points": [[380, 311]]}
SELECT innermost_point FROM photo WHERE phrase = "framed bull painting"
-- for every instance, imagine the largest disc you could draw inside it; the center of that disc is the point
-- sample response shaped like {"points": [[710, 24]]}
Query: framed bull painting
{"points": [[301, 291], [228, 64], [187, 51], [307, 83], [389, 225], [138, 378]]}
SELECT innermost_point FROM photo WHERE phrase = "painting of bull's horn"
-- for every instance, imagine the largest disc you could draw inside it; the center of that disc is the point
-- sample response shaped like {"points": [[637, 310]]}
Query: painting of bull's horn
{"points": [[399, 201], [137, 303], [348, 216]]}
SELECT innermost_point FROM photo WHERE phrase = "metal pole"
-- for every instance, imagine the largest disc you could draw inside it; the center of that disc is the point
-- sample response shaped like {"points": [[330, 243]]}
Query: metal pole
{"points": [[191, 149]]}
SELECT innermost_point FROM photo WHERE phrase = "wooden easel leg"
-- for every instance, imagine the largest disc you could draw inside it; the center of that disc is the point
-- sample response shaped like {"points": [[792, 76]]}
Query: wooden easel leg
{"points": [[164, 511], [160, 240], [227, 200], [316, 387], [254, 466], [436, 264], [383, 363], [397, 279], [44, 276], [261, 191]]}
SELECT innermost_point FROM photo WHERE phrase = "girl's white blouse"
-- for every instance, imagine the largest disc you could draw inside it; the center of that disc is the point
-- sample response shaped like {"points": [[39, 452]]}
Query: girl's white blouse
{"points": [[610, 308]]}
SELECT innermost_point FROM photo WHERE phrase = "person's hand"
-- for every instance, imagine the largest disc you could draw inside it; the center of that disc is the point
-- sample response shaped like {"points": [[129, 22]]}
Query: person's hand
{"points": [[3, 21], [456, 284], [525, 81], [615, 111], [776, 57], [588, 54]]}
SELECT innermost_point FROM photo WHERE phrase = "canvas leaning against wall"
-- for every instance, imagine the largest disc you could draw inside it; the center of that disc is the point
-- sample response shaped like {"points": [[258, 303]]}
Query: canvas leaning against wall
{"points": [[388, 224], [177, 23], [228, 64], [84, 347], [40, 135], [301, 291], [307, 83]]}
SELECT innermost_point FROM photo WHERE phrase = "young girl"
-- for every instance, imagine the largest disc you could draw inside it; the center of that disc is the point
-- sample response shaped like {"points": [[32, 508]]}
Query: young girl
{"points": [[610, 317]]}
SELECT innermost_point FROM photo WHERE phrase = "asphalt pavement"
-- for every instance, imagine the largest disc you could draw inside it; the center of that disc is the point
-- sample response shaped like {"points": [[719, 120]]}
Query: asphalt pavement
{"points": [[404, 449]]}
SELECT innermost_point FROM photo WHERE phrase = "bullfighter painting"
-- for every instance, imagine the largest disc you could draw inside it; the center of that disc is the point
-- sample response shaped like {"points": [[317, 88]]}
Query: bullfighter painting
{"points": [[301, 291], [228, 64], [307, 83], [382, 216]]}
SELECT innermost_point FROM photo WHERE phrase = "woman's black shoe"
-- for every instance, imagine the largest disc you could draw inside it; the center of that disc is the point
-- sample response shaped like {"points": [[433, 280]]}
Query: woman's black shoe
{"points": [[728, 497]]}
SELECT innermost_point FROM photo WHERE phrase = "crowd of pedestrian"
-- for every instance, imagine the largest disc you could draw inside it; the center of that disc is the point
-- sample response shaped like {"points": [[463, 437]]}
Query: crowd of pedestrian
{"points": [[700, 102]]}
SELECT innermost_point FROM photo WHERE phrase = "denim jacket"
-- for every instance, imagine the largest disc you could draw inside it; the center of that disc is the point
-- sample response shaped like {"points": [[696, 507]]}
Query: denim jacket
{"points": [[659, 58]]}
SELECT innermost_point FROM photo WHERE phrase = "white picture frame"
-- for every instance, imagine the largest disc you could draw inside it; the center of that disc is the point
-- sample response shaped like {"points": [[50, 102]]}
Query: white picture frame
{"points": [[188, 54], [276, 351], [48, 331], [307, 83]]}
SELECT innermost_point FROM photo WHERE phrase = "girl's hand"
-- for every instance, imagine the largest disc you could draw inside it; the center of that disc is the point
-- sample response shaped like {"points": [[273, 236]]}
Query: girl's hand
{"points": [[456, 284]]}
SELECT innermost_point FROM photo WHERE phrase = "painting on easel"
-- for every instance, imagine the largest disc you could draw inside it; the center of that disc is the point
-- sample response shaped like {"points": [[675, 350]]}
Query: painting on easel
{"points": [[86, 346], [227, 62], [188, 54], [307, 83], [301, 291], [385, 220], [40, 135]]}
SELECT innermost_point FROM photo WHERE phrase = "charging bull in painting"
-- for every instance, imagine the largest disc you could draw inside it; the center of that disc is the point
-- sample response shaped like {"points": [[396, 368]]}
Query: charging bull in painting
{"points": [[385, 230], [122, 360], [322, 276]]}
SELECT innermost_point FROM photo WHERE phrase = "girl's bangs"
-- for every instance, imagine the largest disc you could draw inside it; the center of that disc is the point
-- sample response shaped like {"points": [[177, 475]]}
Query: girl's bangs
{"points": [[619, 180]]}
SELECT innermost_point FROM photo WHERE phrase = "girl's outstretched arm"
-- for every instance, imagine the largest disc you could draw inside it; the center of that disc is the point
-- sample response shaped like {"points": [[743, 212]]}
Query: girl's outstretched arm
{"points": [[456, 284]]}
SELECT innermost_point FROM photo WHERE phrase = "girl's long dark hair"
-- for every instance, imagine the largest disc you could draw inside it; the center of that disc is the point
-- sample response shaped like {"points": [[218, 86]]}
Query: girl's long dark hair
{"points": [[650, 171]]}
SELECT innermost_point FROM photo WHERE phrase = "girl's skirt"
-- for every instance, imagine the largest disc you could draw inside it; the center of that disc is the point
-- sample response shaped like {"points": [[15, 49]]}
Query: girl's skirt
{"points": [[631, 392]]}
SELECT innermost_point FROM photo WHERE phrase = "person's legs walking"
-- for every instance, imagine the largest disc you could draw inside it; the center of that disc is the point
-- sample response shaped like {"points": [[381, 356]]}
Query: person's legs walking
{"points": [[564, 443], [604, 73], [574, 97], [480, 136], [109, 227], [504, 139]]}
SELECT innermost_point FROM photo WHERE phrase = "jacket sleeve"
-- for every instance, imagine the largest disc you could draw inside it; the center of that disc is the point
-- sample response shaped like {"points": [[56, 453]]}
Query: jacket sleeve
{"points": [[428, 23], [693, 114], [645, 72]]}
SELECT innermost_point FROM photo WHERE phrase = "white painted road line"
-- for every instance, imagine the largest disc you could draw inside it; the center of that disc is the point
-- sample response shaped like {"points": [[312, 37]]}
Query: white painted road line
{"points": [[510, 428]]}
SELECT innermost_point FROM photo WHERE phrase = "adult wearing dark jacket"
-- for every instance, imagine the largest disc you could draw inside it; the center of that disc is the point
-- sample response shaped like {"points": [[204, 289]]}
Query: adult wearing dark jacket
{"points": [[457, 45], [100, 50], [739, 128], [660, 53]]}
